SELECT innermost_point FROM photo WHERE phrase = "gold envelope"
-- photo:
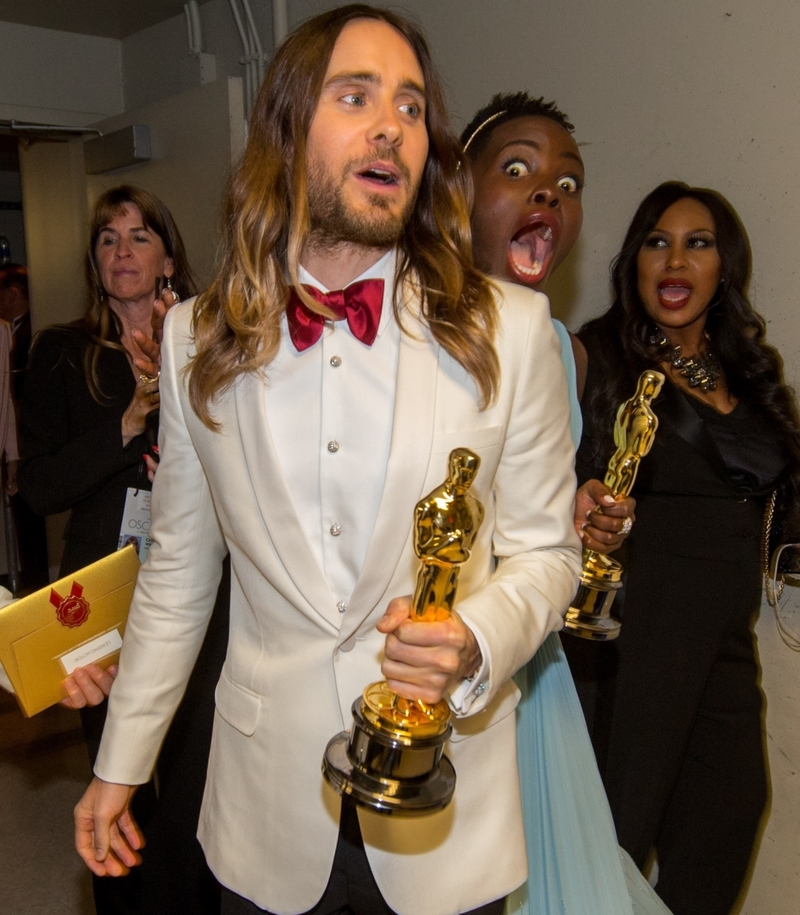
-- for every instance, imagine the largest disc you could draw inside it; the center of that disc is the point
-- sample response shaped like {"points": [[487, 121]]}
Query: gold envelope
{"points": [[38, 630]]}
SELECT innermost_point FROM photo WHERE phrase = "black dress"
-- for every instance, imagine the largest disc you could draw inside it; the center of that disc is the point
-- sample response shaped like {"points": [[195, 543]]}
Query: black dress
{"points": [[678, 721], [73, 459]]}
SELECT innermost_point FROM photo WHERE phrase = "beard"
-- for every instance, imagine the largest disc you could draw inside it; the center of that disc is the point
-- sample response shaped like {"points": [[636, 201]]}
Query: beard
{"points": [[335, 222]]}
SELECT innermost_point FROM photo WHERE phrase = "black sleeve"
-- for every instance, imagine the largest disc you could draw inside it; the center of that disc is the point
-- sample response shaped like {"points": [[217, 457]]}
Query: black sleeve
{"points": [[591, 459]]}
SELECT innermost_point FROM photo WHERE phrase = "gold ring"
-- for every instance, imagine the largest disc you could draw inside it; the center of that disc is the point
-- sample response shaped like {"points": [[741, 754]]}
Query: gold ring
{"points": [[148, 379]]}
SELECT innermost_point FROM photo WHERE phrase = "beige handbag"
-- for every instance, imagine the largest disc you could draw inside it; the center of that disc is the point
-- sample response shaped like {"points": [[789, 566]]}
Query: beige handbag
{"points": [[781, 579]]}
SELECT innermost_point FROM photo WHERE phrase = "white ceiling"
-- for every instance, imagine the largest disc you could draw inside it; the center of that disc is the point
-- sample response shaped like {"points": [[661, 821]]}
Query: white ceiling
{"points": [[109, 18]]}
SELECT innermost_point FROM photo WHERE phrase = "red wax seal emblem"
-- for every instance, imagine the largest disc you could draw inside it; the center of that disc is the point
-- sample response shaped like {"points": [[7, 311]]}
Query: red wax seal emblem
{"points": [[71, 611]]}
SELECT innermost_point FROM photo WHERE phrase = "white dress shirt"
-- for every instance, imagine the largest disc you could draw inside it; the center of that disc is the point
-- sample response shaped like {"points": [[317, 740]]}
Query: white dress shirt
{"points": [[330, 410]]}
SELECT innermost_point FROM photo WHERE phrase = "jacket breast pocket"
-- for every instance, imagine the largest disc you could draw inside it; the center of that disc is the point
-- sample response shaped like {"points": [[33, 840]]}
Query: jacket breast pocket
{"points": [[237, 705], [481, 439]]}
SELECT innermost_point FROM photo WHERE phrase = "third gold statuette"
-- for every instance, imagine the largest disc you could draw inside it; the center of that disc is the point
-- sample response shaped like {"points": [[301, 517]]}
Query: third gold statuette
{"points": [[601, 576]]}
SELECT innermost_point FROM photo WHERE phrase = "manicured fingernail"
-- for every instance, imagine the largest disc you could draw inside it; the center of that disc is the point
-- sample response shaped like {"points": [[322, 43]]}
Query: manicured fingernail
{"points": [[609, 500]]}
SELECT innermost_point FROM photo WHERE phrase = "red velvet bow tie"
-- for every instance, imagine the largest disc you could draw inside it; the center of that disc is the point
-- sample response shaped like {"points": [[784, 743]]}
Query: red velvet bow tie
{"points": [[360, 304]]}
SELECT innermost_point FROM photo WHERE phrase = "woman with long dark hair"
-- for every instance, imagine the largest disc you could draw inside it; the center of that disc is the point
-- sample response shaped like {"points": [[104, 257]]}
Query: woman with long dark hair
{"points": [[683, 752]]}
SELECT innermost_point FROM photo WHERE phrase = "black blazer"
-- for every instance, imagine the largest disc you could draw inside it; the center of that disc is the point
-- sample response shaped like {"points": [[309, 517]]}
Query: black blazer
{"points": [[72, 455]]}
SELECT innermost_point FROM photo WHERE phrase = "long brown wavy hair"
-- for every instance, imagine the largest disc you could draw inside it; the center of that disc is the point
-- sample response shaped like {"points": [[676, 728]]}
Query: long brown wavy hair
{"points": [[99, 320], [266, 225]]}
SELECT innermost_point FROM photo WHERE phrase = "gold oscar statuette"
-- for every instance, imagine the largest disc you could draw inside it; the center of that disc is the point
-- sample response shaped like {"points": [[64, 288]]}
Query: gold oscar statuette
{"points": [[392, 760], [589, 615]]}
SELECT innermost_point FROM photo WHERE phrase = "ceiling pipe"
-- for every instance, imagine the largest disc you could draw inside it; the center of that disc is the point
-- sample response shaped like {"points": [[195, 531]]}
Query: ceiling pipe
{"points": [[256, 50], [248, 72], [25, 127], [280, 21], [197, 28], [189, 28]]}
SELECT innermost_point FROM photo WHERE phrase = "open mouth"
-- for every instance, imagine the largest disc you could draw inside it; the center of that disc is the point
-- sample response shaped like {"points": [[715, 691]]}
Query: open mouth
{"points": [[380, 176], [531, 251], [674, 295]]}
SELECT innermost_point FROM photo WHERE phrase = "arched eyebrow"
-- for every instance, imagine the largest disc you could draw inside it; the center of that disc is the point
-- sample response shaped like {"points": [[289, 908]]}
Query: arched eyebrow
{"points": [[573, 157], [366, 76], [686, 234], [109, 230]]}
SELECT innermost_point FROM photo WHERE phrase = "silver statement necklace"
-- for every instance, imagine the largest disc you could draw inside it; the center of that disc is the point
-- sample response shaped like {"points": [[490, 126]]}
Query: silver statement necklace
{"points": [[701, 371]]}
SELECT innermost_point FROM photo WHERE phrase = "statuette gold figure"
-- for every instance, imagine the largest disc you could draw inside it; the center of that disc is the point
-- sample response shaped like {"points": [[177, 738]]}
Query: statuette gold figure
{"points": [[601, 576], [391, 761]]}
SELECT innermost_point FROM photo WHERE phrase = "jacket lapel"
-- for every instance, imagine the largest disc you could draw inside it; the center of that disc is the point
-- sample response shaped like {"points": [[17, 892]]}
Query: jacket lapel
{"points": [[275, 504], [674, 408]]}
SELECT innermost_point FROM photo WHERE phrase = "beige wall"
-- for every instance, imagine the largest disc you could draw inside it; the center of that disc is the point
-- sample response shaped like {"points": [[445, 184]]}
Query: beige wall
{"points": [[58, 77], [54, 196]]}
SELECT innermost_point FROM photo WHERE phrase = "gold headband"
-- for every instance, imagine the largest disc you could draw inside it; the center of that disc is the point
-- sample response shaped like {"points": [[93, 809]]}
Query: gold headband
{"points": [[480, 127]]}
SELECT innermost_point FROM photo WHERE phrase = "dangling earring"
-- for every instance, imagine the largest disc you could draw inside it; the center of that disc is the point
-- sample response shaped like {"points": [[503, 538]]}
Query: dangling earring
{"points": [[168, 285]]}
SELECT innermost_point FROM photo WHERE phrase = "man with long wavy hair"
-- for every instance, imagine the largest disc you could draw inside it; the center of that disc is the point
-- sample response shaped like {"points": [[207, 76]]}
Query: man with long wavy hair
{"points": [[299, 428]]}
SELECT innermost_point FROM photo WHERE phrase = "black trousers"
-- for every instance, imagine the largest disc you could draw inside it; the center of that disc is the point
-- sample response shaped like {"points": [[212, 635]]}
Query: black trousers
{"points": [[685, 770], [351, 889]]}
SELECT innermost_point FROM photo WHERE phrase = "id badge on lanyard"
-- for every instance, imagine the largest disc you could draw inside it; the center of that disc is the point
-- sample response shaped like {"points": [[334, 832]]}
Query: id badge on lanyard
{"points": [[135, 528]]}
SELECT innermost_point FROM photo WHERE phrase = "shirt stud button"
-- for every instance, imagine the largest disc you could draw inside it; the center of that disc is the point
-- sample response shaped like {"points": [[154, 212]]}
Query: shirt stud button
{"points": [[336, 361], [341, 605], [336, 529], [333, 447]]}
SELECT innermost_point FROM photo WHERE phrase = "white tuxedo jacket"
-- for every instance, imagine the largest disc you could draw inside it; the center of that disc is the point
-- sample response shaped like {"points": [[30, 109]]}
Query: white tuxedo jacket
{"points": [[295, 664]]}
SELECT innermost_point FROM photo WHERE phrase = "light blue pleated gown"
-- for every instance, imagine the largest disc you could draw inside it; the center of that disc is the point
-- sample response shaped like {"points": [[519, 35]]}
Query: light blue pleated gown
{"points": [[575, 866]]}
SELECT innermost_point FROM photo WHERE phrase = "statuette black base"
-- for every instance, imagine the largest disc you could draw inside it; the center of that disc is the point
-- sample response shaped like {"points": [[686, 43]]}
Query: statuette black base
{"points": [[387, 771], [589, 615]]}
